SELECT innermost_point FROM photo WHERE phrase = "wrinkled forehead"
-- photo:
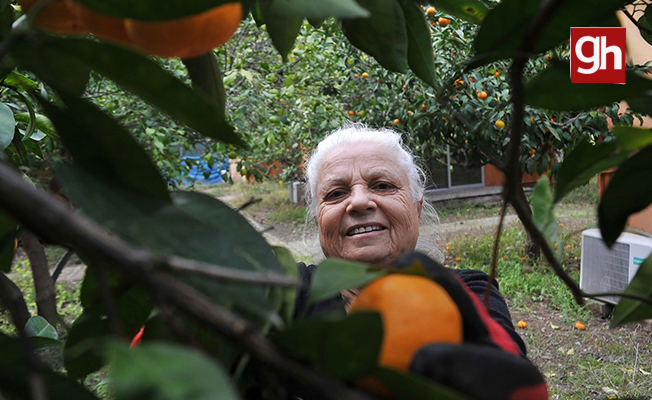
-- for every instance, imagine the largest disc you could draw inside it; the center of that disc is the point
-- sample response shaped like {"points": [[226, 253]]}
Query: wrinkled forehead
{"points": [[366, 160]]}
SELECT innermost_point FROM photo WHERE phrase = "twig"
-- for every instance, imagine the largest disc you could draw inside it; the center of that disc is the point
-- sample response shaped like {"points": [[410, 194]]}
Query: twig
{"points": [[494, 255], [61, 264], [248, 203], [52, 220]]}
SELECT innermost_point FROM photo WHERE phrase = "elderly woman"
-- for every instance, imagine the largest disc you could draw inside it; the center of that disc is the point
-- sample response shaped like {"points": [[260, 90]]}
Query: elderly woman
{"points": [[365, 193]]}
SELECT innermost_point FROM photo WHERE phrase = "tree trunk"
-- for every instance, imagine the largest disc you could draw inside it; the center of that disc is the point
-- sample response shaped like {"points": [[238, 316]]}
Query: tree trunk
{"points": [[13, 300], [533, 249], [46, 300]]}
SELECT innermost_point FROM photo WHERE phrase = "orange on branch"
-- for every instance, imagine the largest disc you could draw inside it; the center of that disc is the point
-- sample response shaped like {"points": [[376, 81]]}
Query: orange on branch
{"points": [[187, 37], [100, 25], [444, 21], [430, 10], [55, 18], [415, 311]]}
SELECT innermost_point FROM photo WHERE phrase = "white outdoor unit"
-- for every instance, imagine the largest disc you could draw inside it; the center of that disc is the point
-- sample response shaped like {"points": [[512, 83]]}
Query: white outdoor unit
{"points": [[610, 270]]}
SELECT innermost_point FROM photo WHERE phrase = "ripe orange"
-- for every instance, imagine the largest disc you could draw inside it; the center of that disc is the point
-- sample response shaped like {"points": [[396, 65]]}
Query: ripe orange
{"points": [[351, 112], [100, 25], [482, 95], [356, 76], [580, 326], [496, 74], [423, 107], [55, 18], [444, 21], [189, 36], [415, 311], [500, 124], [365, 75], [397, 121], [522, 324], [430, 10]]}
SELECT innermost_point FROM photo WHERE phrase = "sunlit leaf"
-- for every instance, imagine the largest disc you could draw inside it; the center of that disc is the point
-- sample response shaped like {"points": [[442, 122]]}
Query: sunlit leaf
{"points": [[553, 89], [102, 147], [166, 371], [38, 326], [542, 210], [473, 11], [20, 81], [503, 31], [151, 10], [333, 275], [383, 35], [626, 194], [319, 9], [583, 163], [630, 138], [421, 57], [43, 125], [346, 348], [54, 59], [7, 126]]}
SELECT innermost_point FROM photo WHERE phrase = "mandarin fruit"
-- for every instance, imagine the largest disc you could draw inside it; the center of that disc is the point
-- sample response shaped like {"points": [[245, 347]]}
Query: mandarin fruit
{"points": [[415, 311], [55, 18], [188, 36], [100, 25]]}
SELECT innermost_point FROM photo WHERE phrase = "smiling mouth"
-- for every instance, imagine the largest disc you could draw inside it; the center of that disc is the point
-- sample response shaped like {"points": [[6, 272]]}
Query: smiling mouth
{"points": [[365, 229]]}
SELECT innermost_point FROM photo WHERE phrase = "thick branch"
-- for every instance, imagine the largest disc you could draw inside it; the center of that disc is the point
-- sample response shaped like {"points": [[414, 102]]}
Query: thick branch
{"points": [[52, 220], [46, 299], [12, 298]]}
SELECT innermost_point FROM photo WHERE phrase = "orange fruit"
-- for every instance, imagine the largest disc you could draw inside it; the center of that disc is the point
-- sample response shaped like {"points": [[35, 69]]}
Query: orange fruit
{"points": [[444, 21], [351, 112], [356, 76], [580, 326], [430, 10], [415, 311], [496, 74], [522, 324], [434, 23], [397, 121], [100, 25], [482, 95], [423, 107], [188, 36], [500, 124], [365, 75], [55, 18]]}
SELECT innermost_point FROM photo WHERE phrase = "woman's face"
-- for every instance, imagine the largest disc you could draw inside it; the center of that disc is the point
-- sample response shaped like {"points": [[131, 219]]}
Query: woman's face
{"points": [[365, 210]]}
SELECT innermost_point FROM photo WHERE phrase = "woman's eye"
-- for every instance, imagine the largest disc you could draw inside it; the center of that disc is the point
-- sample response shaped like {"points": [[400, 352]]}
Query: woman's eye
{"points": [[335, 194], [384, 186]]}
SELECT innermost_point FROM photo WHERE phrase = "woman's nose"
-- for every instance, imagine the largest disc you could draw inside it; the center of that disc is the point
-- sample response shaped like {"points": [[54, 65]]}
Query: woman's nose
{"points": [[360, 201]]}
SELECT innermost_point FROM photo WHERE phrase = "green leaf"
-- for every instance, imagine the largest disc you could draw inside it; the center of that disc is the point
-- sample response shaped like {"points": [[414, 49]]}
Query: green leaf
{"points": [[151, 10], [630, 310], [8, 229], [319, 9], [333, 275], [473, 11], [553, 89], [195, 226], [7, 126], [289, 265], [503, 31], [85, 345], [630, 138], [413, 387], [165, 371], [421, 57], [102, 147], [38, 326], [15, 384], [43, 125], [627, 193], [542, 210], [583, 163], [204, 72], [346, 348], [383, 35], [54, 58], [20, 81], [283, 30]]}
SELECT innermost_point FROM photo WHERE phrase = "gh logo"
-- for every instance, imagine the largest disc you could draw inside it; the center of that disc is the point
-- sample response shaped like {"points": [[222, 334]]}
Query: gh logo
{"points": [[598, 55]]}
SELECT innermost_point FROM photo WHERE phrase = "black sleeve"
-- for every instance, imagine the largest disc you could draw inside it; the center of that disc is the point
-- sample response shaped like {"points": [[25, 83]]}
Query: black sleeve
{"points": [[477, 282]]}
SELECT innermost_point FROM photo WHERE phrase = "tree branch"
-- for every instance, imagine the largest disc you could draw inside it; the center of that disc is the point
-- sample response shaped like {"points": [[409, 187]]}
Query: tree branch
{"points": [[46, 300], [52, 220]]}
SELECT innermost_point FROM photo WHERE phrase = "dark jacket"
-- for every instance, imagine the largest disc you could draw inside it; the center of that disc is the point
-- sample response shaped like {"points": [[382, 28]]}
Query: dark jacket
{"points": [[475, 280]]}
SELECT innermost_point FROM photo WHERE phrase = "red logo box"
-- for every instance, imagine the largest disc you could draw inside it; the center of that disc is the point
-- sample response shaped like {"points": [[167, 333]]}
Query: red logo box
{"points": [[598, 55]]}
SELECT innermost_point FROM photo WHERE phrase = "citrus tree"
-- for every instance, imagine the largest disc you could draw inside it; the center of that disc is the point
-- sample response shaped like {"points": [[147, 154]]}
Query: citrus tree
{"points": [[215, 300]]}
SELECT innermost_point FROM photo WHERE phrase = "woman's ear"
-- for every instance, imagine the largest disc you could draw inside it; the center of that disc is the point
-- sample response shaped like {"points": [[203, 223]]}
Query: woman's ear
{"points": [[419, 207]]}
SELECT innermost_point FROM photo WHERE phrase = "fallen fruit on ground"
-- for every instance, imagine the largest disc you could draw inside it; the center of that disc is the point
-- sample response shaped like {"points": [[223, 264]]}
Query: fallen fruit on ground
{"points": [[522, 324], [580, 326]]}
